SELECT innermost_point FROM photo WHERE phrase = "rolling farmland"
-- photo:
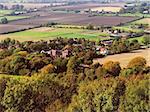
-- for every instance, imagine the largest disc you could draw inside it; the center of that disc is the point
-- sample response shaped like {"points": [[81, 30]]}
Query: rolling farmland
{"points": [[64, 18]]}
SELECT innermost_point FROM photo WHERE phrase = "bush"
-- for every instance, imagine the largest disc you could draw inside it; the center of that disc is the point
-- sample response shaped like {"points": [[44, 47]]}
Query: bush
{"points": [[90, 27], [146, 40], [3, 20], [48, 69], [113, 68], [137, 62]]}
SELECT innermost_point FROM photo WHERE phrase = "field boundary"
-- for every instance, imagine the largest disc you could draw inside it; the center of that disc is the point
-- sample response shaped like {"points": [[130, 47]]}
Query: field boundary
{"points": [[131, 21], [9, 32]]}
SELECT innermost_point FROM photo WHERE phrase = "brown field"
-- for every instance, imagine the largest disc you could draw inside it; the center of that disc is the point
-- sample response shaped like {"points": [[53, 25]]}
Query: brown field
{"points": [[124, 58], [64, 18]]}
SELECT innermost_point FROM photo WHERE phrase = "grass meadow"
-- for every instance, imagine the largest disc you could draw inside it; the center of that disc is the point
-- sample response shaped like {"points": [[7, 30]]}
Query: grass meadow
{"points": [[46, 33], [5, 12]]}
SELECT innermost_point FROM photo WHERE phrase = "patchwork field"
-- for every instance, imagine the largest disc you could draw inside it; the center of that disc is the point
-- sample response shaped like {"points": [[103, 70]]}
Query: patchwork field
{"points": [[64, 18], [112, 9], [131, 27], [45, 33], [124, 58]]}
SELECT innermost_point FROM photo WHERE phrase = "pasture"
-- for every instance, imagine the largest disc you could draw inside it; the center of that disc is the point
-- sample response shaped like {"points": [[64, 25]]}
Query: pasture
{"points": [[112, 9], [5, 12], [45, 33], [12, 18], [127, 28]]}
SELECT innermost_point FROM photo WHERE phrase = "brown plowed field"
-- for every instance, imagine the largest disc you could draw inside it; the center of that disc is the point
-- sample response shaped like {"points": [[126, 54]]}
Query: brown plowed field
{"points": [[64, 18]]}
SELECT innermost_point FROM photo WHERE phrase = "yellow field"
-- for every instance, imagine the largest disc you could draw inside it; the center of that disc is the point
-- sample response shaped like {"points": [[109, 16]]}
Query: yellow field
{"points": [[144, 21], [112, 9], [124, 58]]}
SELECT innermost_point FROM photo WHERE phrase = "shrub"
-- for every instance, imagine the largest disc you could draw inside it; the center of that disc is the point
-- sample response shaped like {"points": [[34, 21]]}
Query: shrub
{"points": [[4, 20], [48, 69], [113, 68], [90, 27], [146, 40], [137, 62]]}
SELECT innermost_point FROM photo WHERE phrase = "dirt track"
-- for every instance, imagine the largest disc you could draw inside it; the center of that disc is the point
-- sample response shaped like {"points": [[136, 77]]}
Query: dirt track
{"points": [[124, 58]]}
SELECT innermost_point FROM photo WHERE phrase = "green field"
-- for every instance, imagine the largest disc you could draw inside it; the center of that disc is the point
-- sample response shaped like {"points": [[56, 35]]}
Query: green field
{"points": [[4, 12], [127, 28], [140, 39], [128, 14], [45, 33], [131, 27], [11, 18], [135, 14]]}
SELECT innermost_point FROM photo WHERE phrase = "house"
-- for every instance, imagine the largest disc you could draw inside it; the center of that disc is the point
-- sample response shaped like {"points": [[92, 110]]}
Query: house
{"points": [[55, 53], [103, 51], [66, 53], [43, 52], [129, 5], [107, 42], [146, 12]]}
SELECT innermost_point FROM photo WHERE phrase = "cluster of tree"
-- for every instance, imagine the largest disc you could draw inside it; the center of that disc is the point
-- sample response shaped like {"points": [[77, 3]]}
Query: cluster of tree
{"points": [[13, 7], [3, 7], [17, 7], [98, 88], [120, 46], [26, 58], [3, 20]]}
